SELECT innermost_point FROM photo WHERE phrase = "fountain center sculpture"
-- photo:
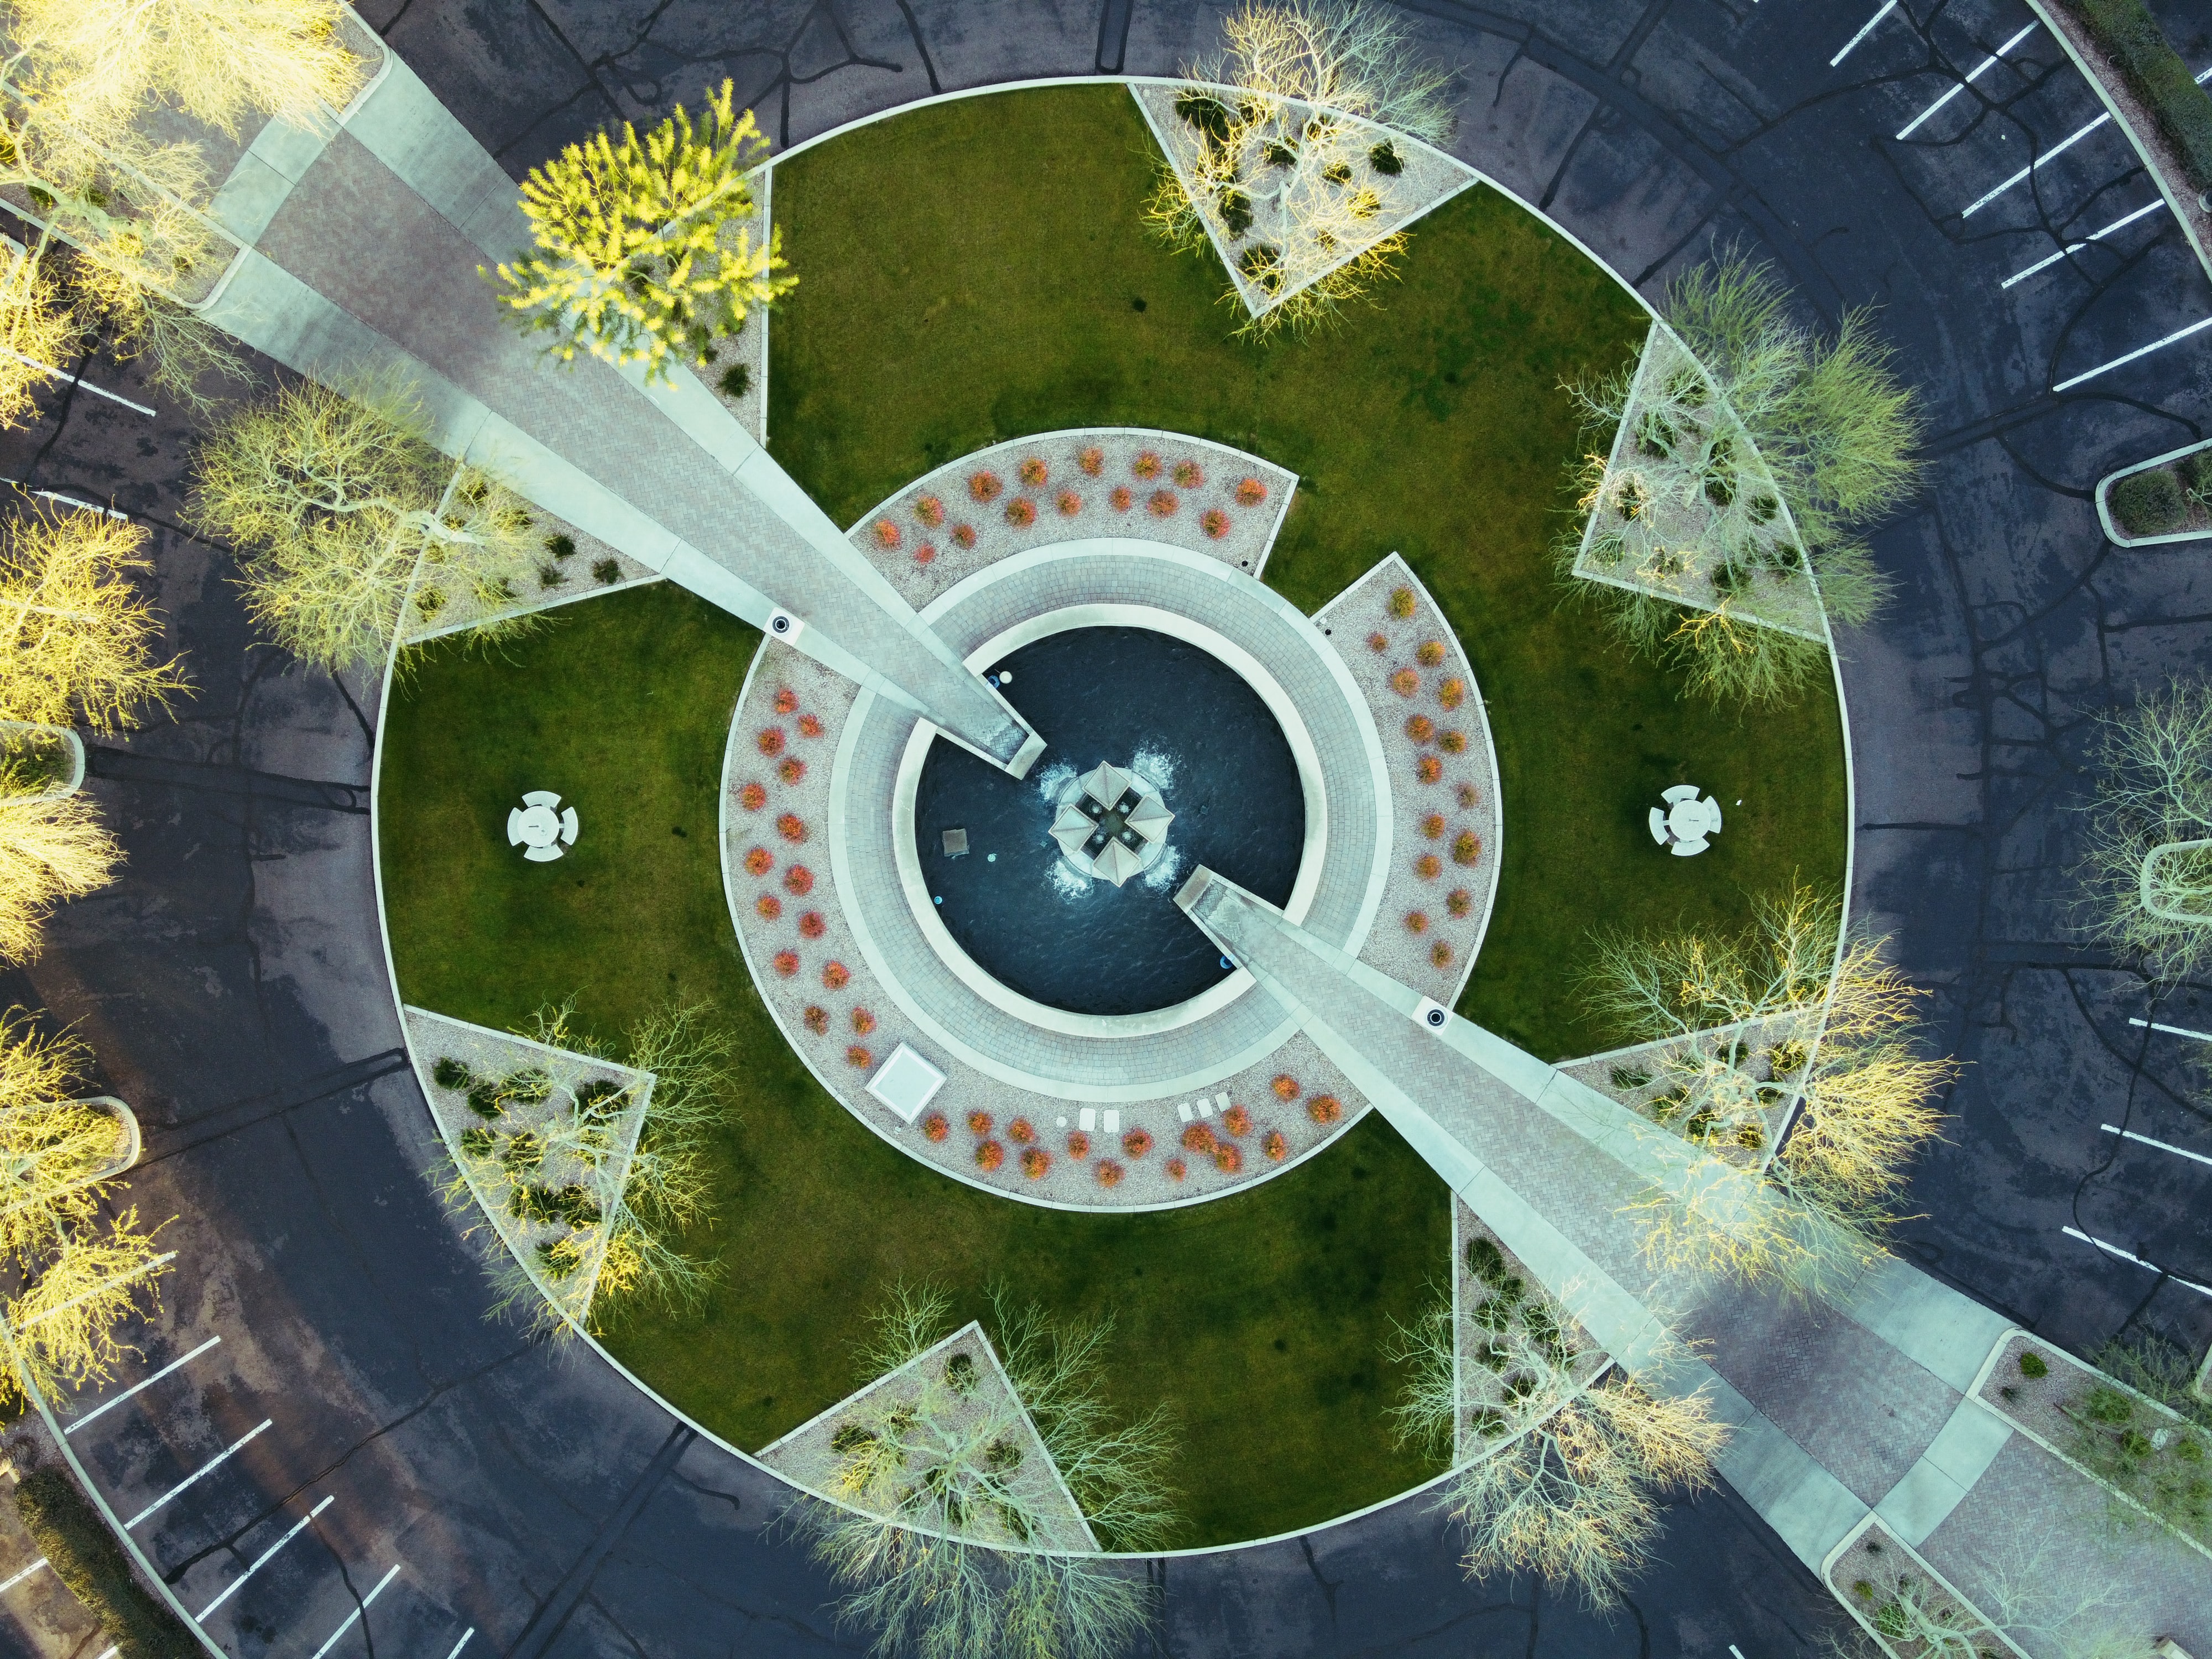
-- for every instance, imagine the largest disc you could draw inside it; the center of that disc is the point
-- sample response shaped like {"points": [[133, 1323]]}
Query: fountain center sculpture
{"points": [[1111, 823]]}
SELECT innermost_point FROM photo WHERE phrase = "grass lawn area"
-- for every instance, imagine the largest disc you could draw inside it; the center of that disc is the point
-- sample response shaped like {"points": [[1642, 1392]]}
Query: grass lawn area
{"points": [[974, 270], [970, 272]]}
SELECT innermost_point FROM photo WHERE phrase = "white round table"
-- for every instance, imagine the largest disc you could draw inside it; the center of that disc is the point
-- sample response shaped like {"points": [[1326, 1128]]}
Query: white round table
{"points": [[534, 826]]}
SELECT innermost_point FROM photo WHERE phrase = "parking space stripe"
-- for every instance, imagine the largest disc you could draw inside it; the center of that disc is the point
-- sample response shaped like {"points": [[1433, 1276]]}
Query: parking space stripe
{"points": [[2120, 223], [64, 375], [464, 1641], [2114, 1249], [1973, 76], [207, 1467], [1888, 7], [2050, 154], [2129, 1134], [2173, 1031], [358, 1609], [21, 1576], [98, 1411], [238, 1582], [2180, 334]]}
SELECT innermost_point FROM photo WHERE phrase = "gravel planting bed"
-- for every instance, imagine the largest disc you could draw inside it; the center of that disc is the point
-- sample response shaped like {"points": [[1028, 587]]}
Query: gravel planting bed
{"points": [[588, 567]]}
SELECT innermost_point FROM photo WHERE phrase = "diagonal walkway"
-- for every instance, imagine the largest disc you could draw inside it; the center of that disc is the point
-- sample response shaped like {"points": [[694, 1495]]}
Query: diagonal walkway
{"points": [[365, 256], [1837, 1411]]}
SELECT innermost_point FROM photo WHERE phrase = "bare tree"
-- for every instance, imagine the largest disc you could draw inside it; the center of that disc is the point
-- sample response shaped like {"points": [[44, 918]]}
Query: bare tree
{"points": [[38, 331], [76, 637], [647, 248], [85, 1285], [51, 848], [57, 1154], [338, 501], [1292, 168], [2148, 870]]}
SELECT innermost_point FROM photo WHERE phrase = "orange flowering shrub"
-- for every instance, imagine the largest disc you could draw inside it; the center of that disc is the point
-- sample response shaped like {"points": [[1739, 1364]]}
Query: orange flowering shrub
{"points": [[1274, 1145], [1032, 472], [979, 1123], [1214, 522], [787, 700], [1069, 503], [1466, 847], [1285, 1087], [1035, 1162], [837, 976], [811, 926], [1236, 1120], [1419, 727], [934, 1128], [1428, 769], [887, 534], [1459, 901], [1092, 461], [1078, 1144], [1417, 922], [770, 740], [1162, 503], [792, 769], [791, 827], [1109, 1173], [1432, 827], [1250, 492], [817, 1020], [984, 486], [1146, 465], [753, 797], [808, 727], [863, 1022], [857, 1055], [768, 906], [759, 861], [1430, 653], [787, 962], [930, 510], [925, 553], [1137, 1142], [1189, 475], [1324, 1108], [1452, 743], [1197, 1138], [1021, 512], [1021, 1130], [798, 881], [1452, 692], [1402, 603], [1405, 682], [1441, 954], [1378, 643], [1228, 1157], [964, 534], [1428, 866], [990, 1155], [1174, 1168]]}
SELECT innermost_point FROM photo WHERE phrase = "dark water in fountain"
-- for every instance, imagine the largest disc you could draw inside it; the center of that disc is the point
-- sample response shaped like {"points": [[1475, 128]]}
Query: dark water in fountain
{"points": [[1146, 703]]}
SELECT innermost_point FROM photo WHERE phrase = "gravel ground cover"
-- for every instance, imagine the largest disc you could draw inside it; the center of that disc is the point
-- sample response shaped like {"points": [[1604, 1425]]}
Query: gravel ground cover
{"points": [[571, 566]]}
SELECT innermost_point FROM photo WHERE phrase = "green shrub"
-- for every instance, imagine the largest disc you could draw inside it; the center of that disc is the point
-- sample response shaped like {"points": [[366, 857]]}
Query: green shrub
{"points": [[485, 1100], [1236, 213], [1484, 1260], [451, 1073], [2196, 472], [1385, 160], [606, 573], [2032, 1364], [2182, 110], [1206, 112], [2149, 503], [1280, 155], [737, 380], [85, 1556], [561, 547], [2105, 1404], [1630, 1077], [960, 1373], [478, 1140], [549, 575]]}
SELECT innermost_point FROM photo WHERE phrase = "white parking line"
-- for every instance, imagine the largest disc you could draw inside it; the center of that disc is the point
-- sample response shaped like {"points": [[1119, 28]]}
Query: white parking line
{"points": [[2174, 1030], [98, 1410], [2114, 1249], [21, 1576], [2177, 335], [2129, 1134], [238, 1582], [1888, 7], [2075, 248], [464, 1641], [2050, 154], [64, 375], [1973, 76], [105, 1284], [361, 1607], [207, 1467]]}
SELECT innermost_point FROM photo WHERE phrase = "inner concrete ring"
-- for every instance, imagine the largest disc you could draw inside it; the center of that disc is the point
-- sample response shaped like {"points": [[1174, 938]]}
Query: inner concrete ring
{"points": [[1259, 634], [1249, 669]]}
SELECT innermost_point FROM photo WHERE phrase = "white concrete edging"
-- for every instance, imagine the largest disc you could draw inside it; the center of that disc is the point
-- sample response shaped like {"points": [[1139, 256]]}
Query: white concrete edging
{"points": [[2110, 526]]}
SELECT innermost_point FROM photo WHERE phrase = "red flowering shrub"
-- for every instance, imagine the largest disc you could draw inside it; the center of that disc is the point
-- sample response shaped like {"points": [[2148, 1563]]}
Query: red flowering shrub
{"points": [[984, 486], [1197, 1138], [809, 726], [837, 976], [791, 827], [990, 1155], [863, 1022], [787, 701], [787, 962], [1466, 847], [1430, 653], [771, 740], [1069, 503], [1417, 922], [1162, 503], [1274, 1145], [1459, 901], [925, 553], [753, 797], [1092, 461], [759, 861], [930, 510], [1146, 465], [1022, 1130], [1229, 1158], [798, 881], [1428, 769], [1432, 827], [858, 1055], [1441, 954], [1187, 475], [817, 1020], [1032, 472], [1214, 522], [1405, 682], [1035, 1162], [769, 907], [1236, 1120], [791, 770], [811, 926], [1378, 643], [979, 1123], [1402, 603], [964, 534], [1137, 1142], [1285, 1087], [1109, 1173], [1419, 727], [1174, 1166], [1324, 1108], [1120, 500], [1428, 866], [1452, 692], [1021, 512], [1453, 742], [1078, 1144], [1250, 492], [887, 534], [934, 1128]]}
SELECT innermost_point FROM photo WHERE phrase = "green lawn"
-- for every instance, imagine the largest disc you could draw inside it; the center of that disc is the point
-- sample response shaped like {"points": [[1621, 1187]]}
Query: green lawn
{"points": [[970, 272]]}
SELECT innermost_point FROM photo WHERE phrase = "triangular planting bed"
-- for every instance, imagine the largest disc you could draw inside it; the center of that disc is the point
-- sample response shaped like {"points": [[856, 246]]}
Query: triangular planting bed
{"points": [[985, 1404], [1638, 1077], [1492, 1295], [544, 1138]]}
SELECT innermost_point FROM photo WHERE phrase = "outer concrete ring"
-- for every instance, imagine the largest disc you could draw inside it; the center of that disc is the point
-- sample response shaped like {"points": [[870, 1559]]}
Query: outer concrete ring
{"points": [[1247, 668]]}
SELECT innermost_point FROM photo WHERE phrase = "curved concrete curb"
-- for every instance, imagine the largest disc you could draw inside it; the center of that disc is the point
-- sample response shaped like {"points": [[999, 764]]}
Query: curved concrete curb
{"points": [[2119, 537]]}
